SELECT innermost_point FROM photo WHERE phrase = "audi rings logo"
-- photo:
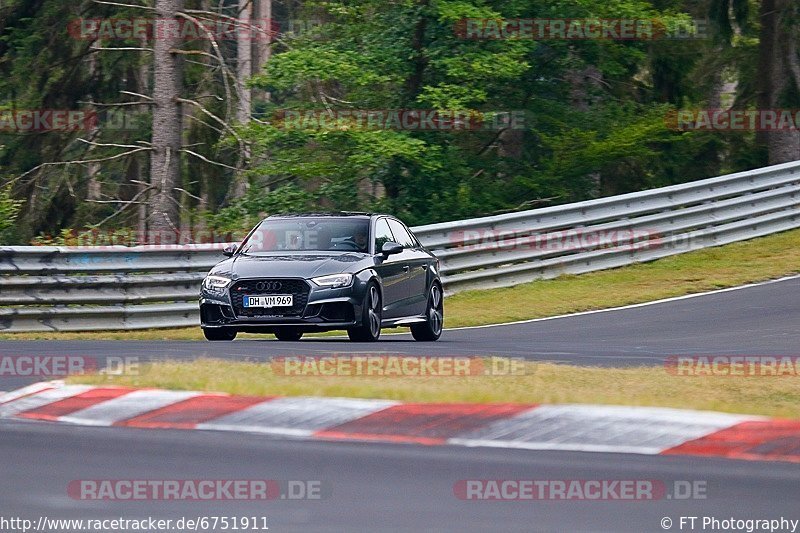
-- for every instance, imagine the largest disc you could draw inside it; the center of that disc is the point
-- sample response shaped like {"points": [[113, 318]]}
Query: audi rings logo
{"points": [[269, 285]]}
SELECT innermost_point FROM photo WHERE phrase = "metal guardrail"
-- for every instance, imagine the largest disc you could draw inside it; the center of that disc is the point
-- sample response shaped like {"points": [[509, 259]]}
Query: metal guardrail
{"points": [[84, 289], [49, 288]]}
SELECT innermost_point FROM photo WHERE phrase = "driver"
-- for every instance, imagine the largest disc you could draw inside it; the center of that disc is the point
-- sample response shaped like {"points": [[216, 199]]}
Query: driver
{"points": [[360, 238], [294, 240]]}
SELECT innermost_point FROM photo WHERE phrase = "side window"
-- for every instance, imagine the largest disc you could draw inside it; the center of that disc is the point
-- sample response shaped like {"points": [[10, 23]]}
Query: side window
{"points": [[401, 234], [382, 234]]}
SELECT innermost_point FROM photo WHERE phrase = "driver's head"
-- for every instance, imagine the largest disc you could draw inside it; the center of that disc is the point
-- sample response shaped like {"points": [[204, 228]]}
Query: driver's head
{"points": [[294, 241], [360, 238]]}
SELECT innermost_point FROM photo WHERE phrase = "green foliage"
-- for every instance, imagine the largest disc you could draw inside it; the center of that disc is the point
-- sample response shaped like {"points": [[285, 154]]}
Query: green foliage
{"points": [[88, 237], [595, 111], [258, 204], [9, 209]]}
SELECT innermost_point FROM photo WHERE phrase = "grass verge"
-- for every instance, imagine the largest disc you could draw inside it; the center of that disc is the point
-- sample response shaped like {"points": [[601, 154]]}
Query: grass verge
{"points": [[714, 268], [540, 383]]}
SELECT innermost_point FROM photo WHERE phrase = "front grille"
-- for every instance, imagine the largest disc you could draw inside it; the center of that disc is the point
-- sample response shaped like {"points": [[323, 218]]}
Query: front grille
{"points": [[296, 287]]}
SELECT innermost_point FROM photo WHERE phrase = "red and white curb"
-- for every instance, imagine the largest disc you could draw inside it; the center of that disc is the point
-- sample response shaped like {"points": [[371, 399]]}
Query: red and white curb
{"points": [[587, 428]]}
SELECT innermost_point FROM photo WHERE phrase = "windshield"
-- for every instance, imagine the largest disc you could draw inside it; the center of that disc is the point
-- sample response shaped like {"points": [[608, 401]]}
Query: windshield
{"points": [[321, 234]]}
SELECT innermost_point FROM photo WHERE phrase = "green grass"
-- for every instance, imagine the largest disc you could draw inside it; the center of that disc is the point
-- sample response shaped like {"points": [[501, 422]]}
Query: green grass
{"points": [[714, 268], [539, 383]]}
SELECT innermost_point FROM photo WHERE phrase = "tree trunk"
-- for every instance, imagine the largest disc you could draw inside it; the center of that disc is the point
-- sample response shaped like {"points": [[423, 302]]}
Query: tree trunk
{"points": [[141, 212], [244, 60], [166, 156], [263, 48], [244, 70], [583, 91], [777, 53], [418, 58], [93, 189], [142, 82]]}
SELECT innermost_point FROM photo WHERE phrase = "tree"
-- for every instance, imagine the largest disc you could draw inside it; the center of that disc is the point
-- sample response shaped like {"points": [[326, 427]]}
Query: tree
{"points": [[83, 175], [779, 74], [244, 70], [165, 160], [263, 48]]}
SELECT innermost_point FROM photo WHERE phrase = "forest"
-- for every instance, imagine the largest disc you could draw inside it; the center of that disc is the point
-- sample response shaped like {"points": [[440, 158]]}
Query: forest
{"points": [[124, 121]]}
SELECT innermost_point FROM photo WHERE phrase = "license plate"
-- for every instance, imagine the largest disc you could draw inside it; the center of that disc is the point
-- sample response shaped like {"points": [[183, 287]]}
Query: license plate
{"points": [[278, 300]]}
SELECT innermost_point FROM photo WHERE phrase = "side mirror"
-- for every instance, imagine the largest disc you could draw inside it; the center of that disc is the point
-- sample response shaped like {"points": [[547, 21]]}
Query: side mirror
{"points": [[391, 248], [229, 250]]}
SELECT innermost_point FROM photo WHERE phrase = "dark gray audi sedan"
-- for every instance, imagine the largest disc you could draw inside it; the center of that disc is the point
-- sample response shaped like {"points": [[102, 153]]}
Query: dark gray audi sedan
{"points": [[295, 274]]}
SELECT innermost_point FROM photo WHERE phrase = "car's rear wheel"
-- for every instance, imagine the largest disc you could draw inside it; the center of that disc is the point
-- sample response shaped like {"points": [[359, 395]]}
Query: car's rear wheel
{"points": [[371, 313], [288, 334], [431, 329], [219, 334]]}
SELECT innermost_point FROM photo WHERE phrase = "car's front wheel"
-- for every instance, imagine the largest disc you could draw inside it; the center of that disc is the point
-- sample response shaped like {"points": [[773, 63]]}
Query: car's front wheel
{"points": [[431, 329], [371, 313], [288, 334], [219, 334]]}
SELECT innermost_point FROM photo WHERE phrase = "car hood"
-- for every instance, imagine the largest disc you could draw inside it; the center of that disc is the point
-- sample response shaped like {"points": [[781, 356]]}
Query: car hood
{"points": [[288, 265]]}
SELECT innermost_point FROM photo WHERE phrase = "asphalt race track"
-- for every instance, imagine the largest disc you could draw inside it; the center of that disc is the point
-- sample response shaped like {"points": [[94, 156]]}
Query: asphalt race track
{"points": [[392, 487], [756, 320], [375, 487]]}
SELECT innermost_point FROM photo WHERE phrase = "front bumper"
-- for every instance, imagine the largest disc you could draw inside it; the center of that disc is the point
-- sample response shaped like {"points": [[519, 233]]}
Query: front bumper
{"points": [[321, 309]]}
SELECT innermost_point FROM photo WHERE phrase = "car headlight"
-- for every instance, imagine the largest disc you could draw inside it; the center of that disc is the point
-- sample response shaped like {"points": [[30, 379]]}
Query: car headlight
{"points": [[335, 281], [216, 283]]}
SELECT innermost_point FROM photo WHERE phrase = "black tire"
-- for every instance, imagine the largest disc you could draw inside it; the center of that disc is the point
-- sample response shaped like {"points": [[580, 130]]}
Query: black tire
{"points": [[431, 329], [371, 313], [219, 334], [288, 334]]}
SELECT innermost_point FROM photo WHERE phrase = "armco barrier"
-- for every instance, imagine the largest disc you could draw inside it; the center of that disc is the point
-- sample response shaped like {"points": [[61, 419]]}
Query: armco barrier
{"points": [[83, 289]]}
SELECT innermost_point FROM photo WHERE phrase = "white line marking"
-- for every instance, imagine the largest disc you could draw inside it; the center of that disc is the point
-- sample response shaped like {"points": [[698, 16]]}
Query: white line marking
{"points": [[631, 306], [559, 446], [581, 313], [283, 432]]}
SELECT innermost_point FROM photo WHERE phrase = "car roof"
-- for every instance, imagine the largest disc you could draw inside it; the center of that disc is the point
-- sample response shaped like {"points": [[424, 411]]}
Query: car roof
{"points": [[325, 214], [337, 214]]}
